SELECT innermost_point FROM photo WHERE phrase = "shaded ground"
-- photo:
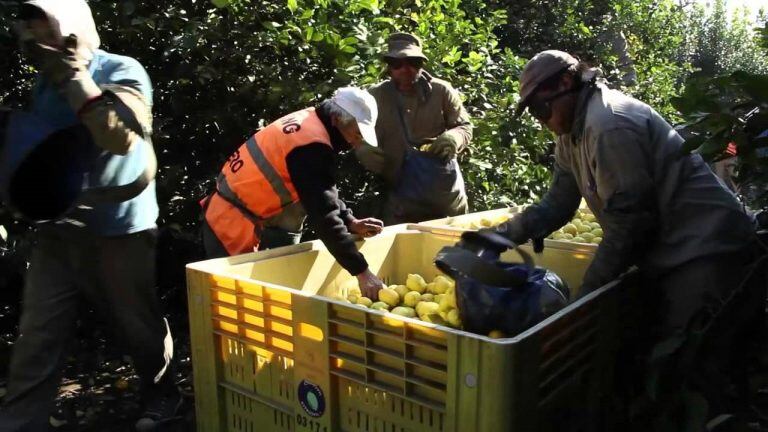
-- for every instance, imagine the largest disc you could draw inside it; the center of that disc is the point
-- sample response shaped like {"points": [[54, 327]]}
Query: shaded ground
{"points": [[99, 391]]}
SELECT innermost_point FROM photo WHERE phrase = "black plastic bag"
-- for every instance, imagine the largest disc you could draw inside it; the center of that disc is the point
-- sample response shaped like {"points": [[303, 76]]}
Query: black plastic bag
{"points": [[510, 297]]}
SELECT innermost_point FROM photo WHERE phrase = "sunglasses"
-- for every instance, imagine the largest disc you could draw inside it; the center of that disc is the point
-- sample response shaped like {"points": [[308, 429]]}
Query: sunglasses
{"points": [[541, 109], [413, 62]]}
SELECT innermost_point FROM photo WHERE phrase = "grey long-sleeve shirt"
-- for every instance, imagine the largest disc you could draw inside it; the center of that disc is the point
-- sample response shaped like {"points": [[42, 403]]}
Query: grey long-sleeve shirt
{"points": [[658, 208]]}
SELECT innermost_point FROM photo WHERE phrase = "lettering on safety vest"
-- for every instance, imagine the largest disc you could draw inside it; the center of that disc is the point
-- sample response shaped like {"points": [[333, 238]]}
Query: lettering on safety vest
{"points": [[234, 161], [290, 125]]}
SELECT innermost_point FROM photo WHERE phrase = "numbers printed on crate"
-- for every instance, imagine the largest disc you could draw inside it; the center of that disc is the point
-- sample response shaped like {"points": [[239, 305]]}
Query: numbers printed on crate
{"points": [[305, 422], [234, 161]]}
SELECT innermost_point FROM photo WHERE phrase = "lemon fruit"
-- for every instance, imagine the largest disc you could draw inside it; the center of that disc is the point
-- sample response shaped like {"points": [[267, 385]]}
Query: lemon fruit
{"points": [[412, 299], [380, 306], [496, 334], [365, 301], [415, 282], [404, 311], [389, 296], [401, 290]]}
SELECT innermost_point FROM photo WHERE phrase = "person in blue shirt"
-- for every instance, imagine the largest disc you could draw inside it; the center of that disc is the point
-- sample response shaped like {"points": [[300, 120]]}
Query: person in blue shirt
{"points": [[103, 249]]}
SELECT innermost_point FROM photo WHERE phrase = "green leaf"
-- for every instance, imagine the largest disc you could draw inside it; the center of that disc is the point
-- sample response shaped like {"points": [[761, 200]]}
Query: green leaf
{"points": [[384, 20], [713, 147], [293, 5], [754, 85], [480, 163], [220, 3]]}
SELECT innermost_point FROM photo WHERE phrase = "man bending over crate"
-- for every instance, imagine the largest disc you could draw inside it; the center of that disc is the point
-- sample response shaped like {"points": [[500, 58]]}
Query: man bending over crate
{"points": [[660, 209], [286, 172]]}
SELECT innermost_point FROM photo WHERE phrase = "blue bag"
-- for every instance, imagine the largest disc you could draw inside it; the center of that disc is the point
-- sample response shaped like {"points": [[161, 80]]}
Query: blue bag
{"points": [[427, 186], [493, 295]]}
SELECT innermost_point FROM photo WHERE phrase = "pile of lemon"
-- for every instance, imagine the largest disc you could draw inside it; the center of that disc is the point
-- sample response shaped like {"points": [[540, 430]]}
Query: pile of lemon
{"points": [[583, 228], [433, 302], [485, 222]]}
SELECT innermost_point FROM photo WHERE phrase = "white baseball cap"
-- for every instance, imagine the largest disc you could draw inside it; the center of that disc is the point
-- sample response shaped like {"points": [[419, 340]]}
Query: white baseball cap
{"points": [[362, 106]]}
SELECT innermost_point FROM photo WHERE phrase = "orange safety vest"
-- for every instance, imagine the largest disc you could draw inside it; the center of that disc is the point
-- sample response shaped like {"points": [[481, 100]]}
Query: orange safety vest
{"points": [[254, 184]]}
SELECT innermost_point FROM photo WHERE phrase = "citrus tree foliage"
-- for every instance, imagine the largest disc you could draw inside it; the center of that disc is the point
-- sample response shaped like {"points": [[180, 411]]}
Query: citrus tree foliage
{"points": [[721, 43], [221, 69], [731, 108]]}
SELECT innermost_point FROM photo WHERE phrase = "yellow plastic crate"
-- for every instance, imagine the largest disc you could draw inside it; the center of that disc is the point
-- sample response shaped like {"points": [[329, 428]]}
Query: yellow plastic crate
{"points": [[269, 354], [447, 226], [455, 225]]}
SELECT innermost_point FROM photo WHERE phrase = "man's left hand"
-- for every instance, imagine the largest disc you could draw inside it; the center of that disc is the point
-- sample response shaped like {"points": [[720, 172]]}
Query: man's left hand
{"points": [[367, 227], [445, 146]]}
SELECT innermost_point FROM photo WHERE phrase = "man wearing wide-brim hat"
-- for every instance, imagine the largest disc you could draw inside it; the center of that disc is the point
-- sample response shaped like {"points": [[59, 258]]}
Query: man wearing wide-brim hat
{"points": [[421, 128]]}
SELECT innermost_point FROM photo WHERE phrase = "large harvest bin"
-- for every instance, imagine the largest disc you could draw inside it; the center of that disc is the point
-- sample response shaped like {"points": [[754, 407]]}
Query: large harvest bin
{"points": [[456, 225], [271, 354]]}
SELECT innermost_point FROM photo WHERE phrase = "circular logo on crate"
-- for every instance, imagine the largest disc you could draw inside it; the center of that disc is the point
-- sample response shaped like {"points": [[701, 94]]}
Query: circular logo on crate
{"points": [[311, 398]]}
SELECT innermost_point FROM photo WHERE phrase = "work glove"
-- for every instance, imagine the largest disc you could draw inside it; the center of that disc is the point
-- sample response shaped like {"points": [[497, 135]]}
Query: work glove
{"points": [[514, 229], [66, 69], [445, 146], [57, 65], [372, 158], [513, 232], [485, 242]]}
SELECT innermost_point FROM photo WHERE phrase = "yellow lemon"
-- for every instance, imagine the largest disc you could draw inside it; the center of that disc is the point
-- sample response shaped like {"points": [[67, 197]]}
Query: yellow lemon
{"points": [[426, 308], [571, 229], [433, 318], [380, 306], [442, 284], [415, 282], [404, 311], [389, 296], [412, 299], [365, 301], [453, 318], [401, 290]]}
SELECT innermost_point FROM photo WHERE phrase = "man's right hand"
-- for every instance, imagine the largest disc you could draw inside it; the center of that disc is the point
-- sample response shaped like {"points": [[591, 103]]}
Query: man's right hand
{"points": [[372, 158], [367, 227], [369, 284], [57, 64]]}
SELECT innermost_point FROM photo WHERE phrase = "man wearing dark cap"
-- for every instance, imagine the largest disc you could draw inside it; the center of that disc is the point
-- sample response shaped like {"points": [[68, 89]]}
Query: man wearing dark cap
{"points": [[660, 209], [422, 126]]}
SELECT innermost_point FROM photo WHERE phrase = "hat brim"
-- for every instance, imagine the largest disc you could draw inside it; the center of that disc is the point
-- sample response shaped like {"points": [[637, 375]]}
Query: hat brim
{"points": [[405, 53], [368, 131]]}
